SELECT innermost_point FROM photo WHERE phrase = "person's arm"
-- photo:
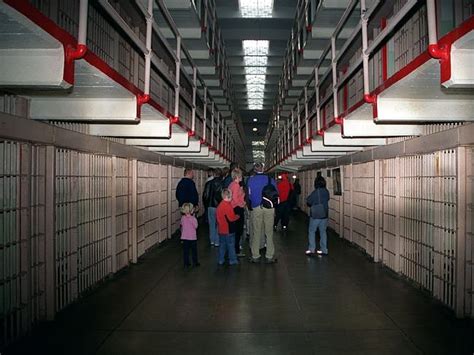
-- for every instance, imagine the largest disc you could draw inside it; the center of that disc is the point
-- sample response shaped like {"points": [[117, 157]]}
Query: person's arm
{"points": [[310, 200], [179, 191], [230, 214], [194, 194], [195, 222]]}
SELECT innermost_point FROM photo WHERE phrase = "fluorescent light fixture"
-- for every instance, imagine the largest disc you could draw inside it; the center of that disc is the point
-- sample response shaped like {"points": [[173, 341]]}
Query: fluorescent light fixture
{"points": [[255, 129], [255, 120], [256, 8]]}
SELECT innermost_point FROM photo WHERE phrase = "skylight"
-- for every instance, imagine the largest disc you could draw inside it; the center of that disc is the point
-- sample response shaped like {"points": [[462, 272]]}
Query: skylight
{"points": [[256, 8], [256, 48], [255, 60]]}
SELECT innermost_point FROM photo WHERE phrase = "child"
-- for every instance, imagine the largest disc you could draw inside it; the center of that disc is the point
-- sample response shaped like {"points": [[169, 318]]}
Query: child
{"points": [[189, 225], [225, 218]]}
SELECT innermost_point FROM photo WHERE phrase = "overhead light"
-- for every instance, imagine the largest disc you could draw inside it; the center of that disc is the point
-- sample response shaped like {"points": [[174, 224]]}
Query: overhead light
{"points": [[255, 129], [255, 120], [256, 8]]}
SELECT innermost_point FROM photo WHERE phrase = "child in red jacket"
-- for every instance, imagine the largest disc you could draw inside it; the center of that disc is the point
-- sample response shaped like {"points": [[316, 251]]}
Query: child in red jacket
{"points": [[225, 228]]}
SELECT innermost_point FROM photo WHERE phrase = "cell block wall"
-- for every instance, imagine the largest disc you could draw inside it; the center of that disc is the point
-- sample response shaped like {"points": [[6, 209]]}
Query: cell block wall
{"points": [[66, 227], [148, 229], [417, 218], [67, 223], [363, 206], [122, 200], [164, 188], [94, 219], [83, 223], [389, 235], [11, 311], [347, 196], [176, 176], [469, 193]]}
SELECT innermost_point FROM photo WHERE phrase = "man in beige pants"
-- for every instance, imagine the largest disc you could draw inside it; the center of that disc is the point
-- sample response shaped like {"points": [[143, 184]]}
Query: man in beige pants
{"points": [[261, 218]]}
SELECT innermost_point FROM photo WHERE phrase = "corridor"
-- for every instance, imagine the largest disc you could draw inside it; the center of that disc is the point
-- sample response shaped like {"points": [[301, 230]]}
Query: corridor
{"points": [[339, 304]]}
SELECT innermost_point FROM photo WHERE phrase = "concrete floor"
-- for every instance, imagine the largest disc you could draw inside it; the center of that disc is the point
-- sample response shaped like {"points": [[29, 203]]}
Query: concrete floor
{"points": [[338, 304]]}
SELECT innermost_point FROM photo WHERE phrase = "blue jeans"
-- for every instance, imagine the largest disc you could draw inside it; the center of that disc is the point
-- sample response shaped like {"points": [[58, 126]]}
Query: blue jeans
{"points": [[227, 244], [213, 236], [314, 224]]}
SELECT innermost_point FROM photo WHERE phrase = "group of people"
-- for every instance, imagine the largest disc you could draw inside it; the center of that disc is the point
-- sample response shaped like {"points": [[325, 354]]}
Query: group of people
{"points": [[228, 201]]}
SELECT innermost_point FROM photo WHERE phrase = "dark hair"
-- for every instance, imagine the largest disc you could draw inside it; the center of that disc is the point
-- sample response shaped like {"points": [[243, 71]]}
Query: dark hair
{"points": [[319, 182], [217, 172]]}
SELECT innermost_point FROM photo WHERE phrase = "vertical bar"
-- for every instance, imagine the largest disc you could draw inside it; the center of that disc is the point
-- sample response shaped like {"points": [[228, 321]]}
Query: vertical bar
{"points": [[50, 255], [134, 178], [25, 232], [178, 76], [193, 111], [113, 217], [461, 234], [397, 214], [334, 77], [377, 208]]}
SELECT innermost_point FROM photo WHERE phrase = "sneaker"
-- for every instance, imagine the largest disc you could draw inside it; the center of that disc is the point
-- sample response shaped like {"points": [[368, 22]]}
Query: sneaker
{"points": [[240, 255], [270, 261], [236, 263], [274, 228], [321, 253], [309, 252], [254, 261]]}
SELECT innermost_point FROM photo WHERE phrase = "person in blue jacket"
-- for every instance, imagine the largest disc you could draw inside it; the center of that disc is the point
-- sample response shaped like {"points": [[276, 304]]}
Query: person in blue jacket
{"points": [[318, 201], [186, 191], [262, 217]]}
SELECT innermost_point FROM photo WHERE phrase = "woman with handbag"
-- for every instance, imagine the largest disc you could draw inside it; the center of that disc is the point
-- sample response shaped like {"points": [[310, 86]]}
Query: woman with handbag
{"points": [[318, 216]]}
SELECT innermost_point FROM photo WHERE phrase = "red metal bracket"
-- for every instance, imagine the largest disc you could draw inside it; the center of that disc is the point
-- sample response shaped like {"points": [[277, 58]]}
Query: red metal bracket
{"points": [[191, 133], [309, 140], [174, 119], [142, 99], [440, 52], [309, 28], [370, 98], [338, 120], [320, 132], [76, 53]]}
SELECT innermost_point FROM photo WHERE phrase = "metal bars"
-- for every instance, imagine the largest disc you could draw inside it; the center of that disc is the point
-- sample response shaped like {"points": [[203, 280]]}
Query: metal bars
{"points": [[66, 223], [414, 214]]}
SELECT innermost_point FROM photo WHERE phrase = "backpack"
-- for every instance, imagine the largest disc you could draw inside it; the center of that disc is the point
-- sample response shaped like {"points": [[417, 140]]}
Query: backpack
{"points": [[270, 197], [318, 211]]}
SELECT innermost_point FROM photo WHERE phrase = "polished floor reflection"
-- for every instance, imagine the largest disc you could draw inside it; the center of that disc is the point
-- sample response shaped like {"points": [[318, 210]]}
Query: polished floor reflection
{"points": [[338, 304]]}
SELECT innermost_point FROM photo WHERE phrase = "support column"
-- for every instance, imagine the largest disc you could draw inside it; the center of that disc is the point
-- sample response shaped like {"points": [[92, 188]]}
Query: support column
{"points": [[133, 190], [397, 214], [113, 232], [49, 223], [377, 209], [461, 233], [25, 235]]}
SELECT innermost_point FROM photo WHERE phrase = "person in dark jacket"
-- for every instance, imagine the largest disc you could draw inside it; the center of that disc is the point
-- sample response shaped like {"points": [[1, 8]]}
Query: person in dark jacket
{"points": [[186, 191], [318, 201], [295, 195], [227, 175], [211, 198]]}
